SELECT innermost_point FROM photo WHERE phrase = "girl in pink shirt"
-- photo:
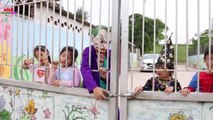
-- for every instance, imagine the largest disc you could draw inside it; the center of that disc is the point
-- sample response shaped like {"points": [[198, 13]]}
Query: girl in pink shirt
{"points": [[68, 75]]}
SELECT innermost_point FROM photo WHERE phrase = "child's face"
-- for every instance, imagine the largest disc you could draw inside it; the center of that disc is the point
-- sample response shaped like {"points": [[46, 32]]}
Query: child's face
{"points": [[206, 59], [42, 56], [63, 58], [162, 74]]}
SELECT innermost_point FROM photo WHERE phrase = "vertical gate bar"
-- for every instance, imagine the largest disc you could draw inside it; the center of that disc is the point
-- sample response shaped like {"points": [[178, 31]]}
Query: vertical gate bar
{"points": [[22, 37], [28, 35], [11, 44], [176, 40], [154, 44], [198, 44], [143, 28], [165, 33], [17, 34], [34, 30], [67, 35], [187, 36], [59, 40], [99, 29], [40, 20], [46, 20], [6, 62], [2, 42], [82, 30], [108, 32], [113, 114], [210, 34], [46, 17], [75, 17], [53, 30], [132, 44], [90, 32], [124, 58]]}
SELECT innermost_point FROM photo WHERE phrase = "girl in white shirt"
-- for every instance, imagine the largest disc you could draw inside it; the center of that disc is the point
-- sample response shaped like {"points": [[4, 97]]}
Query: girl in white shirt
{"points": [[40, 71]]}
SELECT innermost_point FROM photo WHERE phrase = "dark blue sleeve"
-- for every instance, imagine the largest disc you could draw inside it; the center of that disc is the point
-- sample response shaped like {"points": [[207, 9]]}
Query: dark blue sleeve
{"points": [[148, 85]]}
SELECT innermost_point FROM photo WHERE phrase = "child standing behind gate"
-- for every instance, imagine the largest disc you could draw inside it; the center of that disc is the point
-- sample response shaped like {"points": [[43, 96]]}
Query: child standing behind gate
{"points": [[67, 75], [164, 81], [40, 70], [206, 78]]}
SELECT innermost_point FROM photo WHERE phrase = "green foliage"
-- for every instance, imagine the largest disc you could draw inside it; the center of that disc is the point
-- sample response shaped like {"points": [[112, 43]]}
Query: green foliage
{"points": [[181, 52], [204, 39], [79, 14], [148, 31]]}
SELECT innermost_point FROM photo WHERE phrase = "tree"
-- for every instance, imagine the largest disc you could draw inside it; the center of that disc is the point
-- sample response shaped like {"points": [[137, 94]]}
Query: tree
{"points": [[148, 32], [79, 14], [204, 39], [204, 42]]}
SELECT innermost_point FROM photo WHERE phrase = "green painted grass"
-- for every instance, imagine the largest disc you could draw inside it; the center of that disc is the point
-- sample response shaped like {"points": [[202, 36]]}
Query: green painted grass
{"points": [[181, 52]]}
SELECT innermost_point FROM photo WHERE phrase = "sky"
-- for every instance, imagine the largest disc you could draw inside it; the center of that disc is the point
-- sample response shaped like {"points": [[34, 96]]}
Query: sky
{"points": [[179, 36]]}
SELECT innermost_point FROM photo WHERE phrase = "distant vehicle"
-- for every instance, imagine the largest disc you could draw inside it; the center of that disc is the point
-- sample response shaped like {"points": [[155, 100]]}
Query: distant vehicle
{"points": [[146, 62]]}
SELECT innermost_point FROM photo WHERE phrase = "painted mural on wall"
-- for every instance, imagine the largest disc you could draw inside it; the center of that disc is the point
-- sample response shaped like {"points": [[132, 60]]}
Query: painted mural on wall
{"points": [[25, 34], [28, 104], [24, 42], [75, 108], [208, 111], [33, 105], [5, 39], [193, 61], [165, 110], [6, 102]]}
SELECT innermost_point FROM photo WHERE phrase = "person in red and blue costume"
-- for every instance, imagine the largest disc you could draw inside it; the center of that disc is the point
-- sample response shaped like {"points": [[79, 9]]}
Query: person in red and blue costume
{"points": [[206, 78]]}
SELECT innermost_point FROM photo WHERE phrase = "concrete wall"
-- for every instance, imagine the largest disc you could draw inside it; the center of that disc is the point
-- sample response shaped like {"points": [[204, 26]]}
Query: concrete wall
{"points": [[48, 103]]}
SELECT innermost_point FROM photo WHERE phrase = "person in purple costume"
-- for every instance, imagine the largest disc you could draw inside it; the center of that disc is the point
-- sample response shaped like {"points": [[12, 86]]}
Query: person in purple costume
{"points": [[95, 73]]}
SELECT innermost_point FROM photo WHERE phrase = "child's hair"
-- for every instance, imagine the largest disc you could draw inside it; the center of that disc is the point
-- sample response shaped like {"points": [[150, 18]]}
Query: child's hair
{"points": [[207, 51], [70, 51], [43, 49]]}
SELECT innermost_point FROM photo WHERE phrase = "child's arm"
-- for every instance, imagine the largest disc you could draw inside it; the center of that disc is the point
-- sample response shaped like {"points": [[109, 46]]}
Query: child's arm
{"points": [[27, 63], [185, 91], [76, 80], [51, 77], [139, 89], [193, 84], [191, 87], [169, 89]]}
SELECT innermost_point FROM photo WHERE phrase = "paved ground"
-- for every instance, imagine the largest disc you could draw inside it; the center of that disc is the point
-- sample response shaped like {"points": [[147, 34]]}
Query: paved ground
{"points": [[140, 78]]}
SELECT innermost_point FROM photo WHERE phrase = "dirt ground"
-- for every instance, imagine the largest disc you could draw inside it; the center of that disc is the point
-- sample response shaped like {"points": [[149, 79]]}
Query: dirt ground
{"points": [[140, 78]]}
